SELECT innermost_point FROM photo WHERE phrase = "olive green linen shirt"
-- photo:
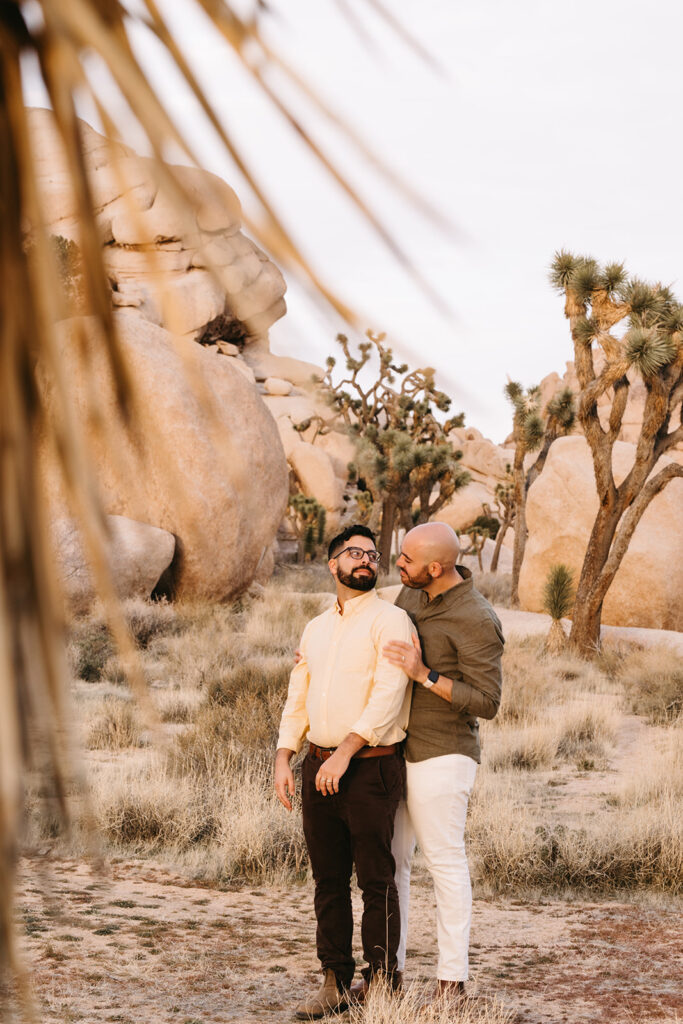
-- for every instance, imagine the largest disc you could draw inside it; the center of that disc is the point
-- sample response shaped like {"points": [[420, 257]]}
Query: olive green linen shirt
{"points": [[462, 639]]}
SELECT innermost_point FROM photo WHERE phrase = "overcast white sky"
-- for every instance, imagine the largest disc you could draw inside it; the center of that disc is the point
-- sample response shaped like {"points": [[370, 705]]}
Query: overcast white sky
{"points": [[555, 125]]}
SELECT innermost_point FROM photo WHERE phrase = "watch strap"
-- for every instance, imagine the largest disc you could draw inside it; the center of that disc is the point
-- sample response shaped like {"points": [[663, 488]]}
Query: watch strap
{"points": [[432, 677]]}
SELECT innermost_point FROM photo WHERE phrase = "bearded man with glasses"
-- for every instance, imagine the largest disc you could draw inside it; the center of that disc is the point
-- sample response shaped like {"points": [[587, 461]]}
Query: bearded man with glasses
{"points": [[352, 705]]}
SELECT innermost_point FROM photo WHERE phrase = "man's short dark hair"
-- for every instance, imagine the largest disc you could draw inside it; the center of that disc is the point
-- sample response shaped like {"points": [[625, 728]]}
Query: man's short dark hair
{"points": [[351, 531]]}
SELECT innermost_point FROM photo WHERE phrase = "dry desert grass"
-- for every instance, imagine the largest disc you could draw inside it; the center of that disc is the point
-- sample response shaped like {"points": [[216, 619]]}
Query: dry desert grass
{"points": [[549, 812]]}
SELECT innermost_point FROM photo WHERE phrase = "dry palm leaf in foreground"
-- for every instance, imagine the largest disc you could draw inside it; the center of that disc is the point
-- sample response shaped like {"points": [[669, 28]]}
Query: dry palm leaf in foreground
{"points": [[64, 37]]}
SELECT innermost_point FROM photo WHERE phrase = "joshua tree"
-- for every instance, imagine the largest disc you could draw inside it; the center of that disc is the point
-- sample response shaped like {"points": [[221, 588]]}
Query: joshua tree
{"points": [[307, 517], [404, 460], [596, 300], [558, 597], [504, 509], [532, 431]]}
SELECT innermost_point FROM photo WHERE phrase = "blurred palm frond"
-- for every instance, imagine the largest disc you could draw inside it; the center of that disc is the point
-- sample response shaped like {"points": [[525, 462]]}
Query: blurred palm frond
{"points": [[63, 38]]}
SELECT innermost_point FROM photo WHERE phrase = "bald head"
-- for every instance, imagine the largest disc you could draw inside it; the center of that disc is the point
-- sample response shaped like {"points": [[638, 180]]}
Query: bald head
{"points": [[429, 554], [434, 542]]}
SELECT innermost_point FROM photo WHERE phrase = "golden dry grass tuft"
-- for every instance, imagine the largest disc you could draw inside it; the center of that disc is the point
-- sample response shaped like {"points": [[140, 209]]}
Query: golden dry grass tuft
{"points": [[652, 679], [114, 725], [383, 1007]]}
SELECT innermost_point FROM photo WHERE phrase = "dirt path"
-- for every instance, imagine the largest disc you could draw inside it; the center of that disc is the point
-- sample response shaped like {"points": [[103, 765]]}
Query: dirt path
{"points": [[141, 946]]}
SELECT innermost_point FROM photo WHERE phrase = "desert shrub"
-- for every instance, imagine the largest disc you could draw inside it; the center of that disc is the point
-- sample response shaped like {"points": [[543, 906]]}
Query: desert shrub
{"points": [[514, 850], [314, 578], [584, 731], [91, 648], [149, 620], [178, 707], [275, 623], [496, 587], [114, 726], [575, 731], [227, 825], [653, 683], [528, 748], [249, 722], [533, 681], [258, 675], [659, 777]]}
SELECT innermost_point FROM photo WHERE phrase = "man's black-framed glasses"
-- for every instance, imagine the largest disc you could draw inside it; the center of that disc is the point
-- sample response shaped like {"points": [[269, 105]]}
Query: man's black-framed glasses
{"points": [[357, 553]]}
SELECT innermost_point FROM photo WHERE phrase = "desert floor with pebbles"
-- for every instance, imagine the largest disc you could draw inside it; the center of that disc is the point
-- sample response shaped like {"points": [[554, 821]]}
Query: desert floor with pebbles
{"points": [[134, 944]]}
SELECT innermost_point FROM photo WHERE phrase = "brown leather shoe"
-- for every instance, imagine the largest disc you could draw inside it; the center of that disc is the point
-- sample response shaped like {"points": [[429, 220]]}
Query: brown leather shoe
{"points": [[329, 998], [359, 989]]}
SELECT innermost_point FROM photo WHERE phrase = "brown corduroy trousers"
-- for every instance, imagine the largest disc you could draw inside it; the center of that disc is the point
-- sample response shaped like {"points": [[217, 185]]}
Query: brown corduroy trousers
{"points": [[354, 828]]}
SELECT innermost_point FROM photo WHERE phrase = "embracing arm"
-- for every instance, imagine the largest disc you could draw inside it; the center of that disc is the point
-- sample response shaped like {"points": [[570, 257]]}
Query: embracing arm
{"points": [[477, 686]]}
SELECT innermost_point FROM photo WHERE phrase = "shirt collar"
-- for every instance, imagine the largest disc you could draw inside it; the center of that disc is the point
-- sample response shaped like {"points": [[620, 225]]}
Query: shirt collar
{"points": [[354, 604], [449, 597]]}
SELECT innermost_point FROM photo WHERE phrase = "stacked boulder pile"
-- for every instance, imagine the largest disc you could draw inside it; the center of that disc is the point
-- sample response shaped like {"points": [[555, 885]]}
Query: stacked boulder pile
{"points": [[223, 421]]}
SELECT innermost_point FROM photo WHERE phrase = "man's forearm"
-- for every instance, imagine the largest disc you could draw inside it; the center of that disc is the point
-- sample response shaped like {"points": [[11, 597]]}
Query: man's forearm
{"points": [[351, 744]]}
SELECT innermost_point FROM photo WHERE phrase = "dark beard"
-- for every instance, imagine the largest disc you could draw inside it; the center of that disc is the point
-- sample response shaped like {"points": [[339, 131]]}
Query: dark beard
{"points": [[363, 583], [417, 582]]}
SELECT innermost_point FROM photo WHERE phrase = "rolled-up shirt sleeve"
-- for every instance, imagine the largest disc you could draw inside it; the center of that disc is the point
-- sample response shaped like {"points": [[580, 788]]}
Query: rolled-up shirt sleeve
{"points": [[294, 722], [388, 699], [478, 682]]}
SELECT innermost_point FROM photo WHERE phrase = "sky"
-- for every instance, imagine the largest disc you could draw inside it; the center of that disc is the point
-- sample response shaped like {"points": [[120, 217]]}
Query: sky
{"points": [[537, 126]]}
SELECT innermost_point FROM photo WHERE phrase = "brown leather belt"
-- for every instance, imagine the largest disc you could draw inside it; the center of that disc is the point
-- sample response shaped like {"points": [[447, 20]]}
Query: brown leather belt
{"points": [[322, 753]]}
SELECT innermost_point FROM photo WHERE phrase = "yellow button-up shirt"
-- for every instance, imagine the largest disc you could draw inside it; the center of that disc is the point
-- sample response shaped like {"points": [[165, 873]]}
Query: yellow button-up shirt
{"points": [[343, 683]]}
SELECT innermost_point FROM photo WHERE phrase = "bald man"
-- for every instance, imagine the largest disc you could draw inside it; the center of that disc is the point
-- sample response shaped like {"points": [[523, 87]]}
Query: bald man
{"points": [[456, 668]]}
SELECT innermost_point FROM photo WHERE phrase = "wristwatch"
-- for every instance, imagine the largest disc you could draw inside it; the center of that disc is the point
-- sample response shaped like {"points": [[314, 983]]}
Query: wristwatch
{"points": [[432, 677]]}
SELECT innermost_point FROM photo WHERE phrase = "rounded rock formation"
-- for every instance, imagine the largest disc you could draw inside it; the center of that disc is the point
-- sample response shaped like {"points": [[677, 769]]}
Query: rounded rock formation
{"points": [[207, 464], [137, 554], [561, 509]]}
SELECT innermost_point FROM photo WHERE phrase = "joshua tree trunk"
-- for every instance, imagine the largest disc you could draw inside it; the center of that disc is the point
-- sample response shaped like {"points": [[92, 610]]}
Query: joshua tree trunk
{"points": [[520, 523], [500, 536], [386, 532]]}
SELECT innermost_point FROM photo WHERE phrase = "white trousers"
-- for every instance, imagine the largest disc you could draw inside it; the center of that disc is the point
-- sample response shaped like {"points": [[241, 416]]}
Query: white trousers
{"points": [[434, 813]]}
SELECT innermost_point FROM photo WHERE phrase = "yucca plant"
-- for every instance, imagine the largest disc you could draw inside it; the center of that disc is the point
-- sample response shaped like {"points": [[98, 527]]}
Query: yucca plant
{"points": [[558, 598], [63, 39], [650, 348]]}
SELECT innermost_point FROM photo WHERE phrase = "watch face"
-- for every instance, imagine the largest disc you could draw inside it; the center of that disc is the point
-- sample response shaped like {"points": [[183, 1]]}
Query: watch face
{"points": [[433, 676]]}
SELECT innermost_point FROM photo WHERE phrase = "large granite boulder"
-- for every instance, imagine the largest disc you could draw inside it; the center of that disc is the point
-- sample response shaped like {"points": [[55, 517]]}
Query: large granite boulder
{"points": [[180, 264], [138, 555], [561, 509], [206, 464], [465, 505]]}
